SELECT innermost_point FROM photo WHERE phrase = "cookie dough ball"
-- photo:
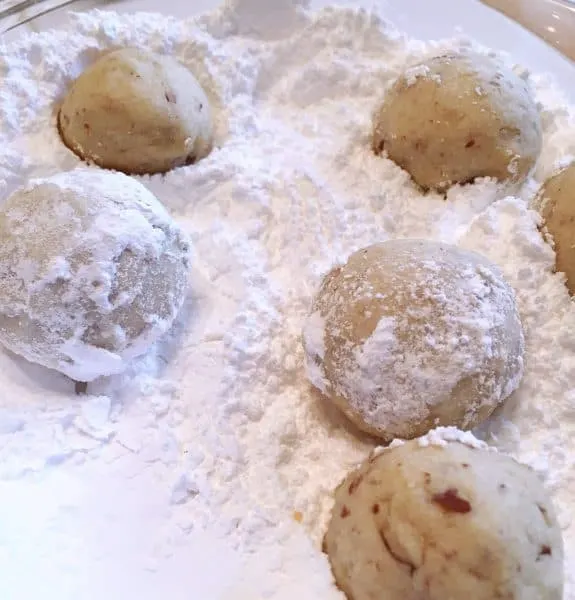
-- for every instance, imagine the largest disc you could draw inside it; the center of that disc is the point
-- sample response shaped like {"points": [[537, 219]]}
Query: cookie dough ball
{"points": [[457, 117], [410, 334], [93, 270], [556, 202], [444, 521], [137, 112]]}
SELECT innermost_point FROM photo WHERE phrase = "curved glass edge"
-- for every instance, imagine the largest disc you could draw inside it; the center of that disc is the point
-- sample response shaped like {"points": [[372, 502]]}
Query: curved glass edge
{"points": [[38, 16]]}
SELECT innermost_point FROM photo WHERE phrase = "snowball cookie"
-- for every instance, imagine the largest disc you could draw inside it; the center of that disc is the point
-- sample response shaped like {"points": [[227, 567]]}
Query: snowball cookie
{"points": [[137, 112], [410, 334], [556, 201], [425, 521], [92, 271], [457, 117]]}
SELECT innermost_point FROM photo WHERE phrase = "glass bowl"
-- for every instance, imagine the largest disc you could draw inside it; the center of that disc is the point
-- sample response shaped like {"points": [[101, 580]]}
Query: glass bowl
{"points": [[552, 20]]}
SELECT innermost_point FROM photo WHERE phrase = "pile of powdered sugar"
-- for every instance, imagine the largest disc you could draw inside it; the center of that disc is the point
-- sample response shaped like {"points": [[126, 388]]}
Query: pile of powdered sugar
{"points": [[206, 470]]}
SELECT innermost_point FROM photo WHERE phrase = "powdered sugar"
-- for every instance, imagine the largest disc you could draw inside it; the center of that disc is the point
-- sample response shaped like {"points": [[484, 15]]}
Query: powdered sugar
{"points": [[423, 71], [314, 343], [382, 341], [441, 436], [180, 477]]}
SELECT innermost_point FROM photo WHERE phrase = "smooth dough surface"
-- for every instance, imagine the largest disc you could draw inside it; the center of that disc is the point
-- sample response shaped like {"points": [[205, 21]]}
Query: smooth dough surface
{"points": [[457, 117], [431, 522], [92, 271], [556, 201], [411, 334], [137, 112]]}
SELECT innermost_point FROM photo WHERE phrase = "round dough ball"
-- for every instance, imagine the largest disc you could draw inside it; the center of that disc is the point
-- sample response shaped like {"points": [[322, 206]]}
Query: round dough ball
{"points": [[557, 204], [92, 271], [457, 117], [137, 112], [410, 334], [431, 521]]}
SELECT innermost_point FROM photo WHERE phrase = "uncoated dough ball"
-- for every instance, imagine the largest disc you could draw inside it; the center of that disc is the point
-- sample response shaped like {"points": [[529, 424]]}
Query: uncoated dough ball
{"points": [[457, 117], [410, 334], [137, 112], [556, 201], [426, 521], [92, 271]]}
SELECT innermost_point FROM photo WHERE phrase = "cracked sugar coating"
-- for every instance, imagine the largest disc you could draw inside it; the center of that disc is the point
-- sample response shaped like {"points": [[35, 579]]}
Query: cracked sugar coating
{"points": [[137, 112], [556, 201], [450, 521], [92, 271], [410, 334], [457, 117]]}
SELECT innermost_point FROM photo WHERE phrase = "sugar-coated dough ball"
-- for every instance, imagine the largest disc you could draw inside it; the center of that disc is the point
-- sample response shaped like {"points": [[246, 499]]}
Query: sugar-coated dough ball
{"points": [[557, 205], [92, 271], [137, 112], [410, 334], [428, 521], [457, 117]]}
